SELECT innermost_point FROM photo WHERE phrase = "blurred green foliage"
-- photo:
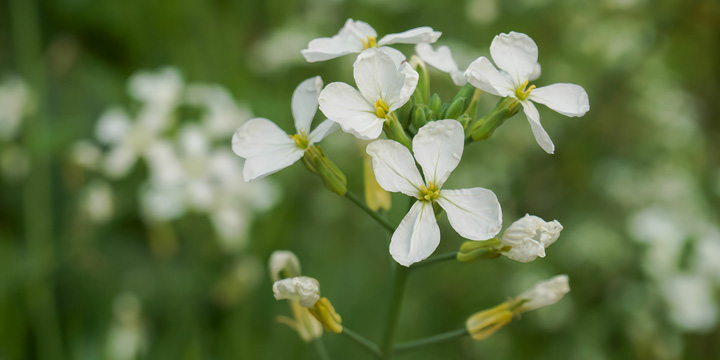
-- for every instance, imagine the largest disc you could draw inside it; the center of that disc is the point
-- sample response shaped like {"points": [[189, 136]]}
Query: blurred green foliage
{"points": [[651, 71]]}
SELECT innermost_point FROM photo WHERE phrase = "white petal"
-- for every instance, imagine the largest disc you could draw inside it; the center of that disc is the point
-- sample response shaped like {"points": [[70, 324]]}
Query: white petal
{"points": [[544, 293], [567, 99], [325, 128], [515, 53], [474, 213], [344, 105], [394, 167], [395, 54], [417, 236], [304, 289], [329, 48], [424, 34], [440, 59], [305, 103], [266, 148], [541, 136], [347, 41], [378, 77], [536, 72], [484, 76], [283, 260], [119, 161], [112, 126], [409, 82], [438, 147]]}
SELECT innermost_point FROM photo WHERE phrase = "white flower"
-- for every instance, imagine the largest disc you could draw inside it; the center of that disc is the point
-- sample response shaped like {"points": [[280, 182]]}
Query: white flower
{"points": [[528, 238], [691, 302], [283, 260], [442, 60], [15, 102], [267, 148], [384, 84], [474, 213], [544, 293], [355, 36], [304, 289], [516, 55]]}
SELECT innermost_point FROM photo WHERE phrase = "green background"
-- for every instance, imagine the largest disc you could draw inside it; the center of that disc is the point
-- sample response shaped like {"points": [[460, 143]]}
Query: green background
{"points": [[650, 141]]}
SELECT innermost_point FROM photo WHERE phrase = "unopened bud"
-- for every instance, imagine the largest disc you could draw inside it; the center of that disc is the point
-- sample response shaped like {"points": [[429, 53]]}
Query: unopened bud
{"points": [[435, 103], [528, 238], [332, 176], [543, 294], [418, 118], [375, 196], [455, 109], [475, 250]]}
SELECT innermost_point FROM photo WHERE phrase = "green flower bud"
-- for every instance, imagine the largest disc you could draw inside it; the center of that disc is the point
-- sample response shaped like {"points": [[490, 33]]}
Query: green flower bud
{"points": [[435, 103], [419, 119], [455, 108], [443, 110]]}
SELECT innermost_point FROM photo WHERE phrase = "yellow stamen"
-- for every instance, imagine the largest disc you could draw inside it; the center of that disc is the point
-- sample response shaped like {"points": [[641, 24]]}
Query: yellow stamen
{"points": [[521, 93], [381, 109], [370, 42], [429, 193], [301, 140]]}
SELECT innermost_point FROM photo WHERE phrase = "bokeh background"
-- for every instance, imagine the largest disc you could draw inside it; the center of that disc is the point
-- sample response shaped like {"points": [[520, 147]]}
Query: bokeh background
{"points": [[126, 231]]}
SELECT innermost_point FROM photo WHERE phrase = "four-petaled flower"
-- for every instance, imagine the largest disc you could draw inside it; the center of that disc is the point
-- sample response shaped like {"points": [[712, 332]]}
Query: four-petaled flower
{"points": [[267, 148], [355, 36], [474, 213], [516, 55], [385, 85]]}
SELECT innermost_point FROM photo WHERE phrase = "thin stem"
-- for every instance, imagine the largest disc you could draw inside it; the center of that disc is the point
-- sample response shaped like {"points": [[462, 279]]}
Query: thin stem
{"points": [[435, 259], [389, 227], [401, 273], [362, 341], [412, 345], [320, 347]]}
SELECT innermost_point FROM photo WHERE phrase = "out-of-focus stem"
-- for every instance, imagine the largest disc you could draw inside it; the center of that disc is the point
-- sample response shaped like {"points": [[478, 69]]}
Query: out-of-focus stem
{"points": [[37, 196], [411, 345], [320, 347], [362, 341], [435, 259], [398, 293]]}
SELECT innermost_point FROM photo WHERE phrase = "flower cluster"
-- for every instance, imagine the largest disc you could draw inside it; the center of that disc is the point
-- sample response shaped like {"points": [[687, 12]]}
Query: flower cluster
{"points": [[188, 168], [392, 97]]}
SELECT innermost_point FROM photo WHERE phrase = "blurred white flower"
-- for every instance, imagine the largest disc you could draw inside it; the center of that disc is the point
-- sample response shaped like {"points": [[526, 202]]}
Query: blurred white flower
{"points": [[222, 113], [86, 154], [474, 213], [267, 149], [384, 86], [442, 60], [97, 201], [528, 238], [127, 337], [691, 301], [283, 260], [543, 294], [304, 289], [356, 36], [516, 55], [15, 103]]}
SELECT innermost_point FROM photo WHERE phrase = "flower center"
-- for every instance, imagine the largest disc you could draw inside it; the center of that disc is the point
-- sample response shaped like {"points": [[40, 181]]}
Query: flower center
{"points": [[381, 109], [521, 93], [370, 42], [300, 140], [429, 193]]}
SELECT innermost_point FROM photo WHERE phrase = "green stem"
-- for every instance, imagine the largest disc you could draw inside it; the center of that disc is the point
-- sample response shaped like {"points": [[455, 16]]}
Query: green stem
{"points": [[435, 259], [362, 341], [369, 211], [320, 347], [401, 273], [37, 188], [412, 345]]}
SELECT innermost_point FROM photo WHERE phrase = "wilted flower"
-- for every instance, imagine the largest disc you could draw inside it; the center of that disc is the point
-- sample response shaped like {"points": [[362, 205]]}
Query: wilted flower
{"points": [[474, 213], [544, 293], [284, 261], [384, 86], [304, 289], [516, 55], [267, 148], [355, 36], [528, 238]]}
